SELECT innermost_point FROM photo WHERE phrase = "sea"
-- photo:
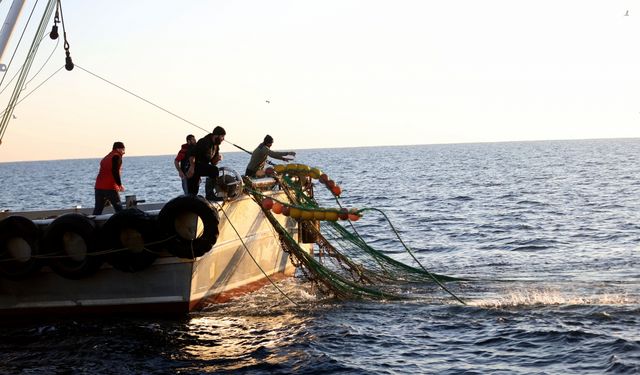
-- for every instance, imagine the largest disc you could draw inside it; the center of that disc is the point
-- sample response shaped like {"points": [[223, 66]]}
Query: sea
{"points": [[546, 233]]}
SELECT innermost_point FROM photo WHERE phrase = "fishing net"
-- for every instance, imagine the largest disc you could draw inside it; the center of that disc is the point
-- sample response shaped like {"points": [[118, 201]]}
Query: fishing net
{"points": [[342, 263]]}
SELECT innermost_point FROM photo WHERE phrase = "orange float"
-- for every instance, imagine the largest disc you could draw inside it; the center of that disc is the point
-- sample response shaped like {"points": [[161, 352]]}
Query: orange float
{"points": [[336, 190], [354, 215], [277, 207]]}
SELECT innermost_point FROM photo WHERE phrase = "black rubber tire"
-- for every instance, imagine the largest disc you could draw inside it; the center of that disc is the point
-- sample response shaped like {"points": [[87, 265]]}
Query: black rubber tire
{"points": [[183, 247], [129, 260], [62, 263], [18, 227]]}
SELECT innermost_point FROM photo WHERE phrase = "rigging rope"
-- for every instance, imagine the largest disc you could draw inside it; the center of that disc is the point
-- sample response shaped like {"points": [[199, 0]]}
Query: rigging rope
{"points": [[42, 67], [158, 106], [253, 258], [68, 63], [35, 88], [141, 98], [18, 45], [248, 152], [25, 68]]}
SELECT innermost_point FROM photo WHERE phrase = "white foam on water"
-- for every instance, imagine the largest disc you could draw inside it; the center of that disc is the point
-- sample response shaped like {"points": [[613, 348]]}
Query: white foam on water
{"points": [[304, 295], [541, 297]]}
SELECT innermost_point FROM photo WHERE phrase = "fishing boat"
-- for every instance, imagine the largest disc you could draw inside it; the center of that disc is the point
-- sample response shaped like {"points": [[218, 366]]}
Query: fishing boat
{"points": [[177, 256], [167, 258], [171, 257]]}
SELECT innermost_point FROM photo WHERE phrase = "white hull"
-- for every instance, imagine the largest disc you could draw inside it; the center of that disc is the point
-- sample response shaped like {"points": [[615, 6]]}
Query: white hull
{"points": [[170, 284]]}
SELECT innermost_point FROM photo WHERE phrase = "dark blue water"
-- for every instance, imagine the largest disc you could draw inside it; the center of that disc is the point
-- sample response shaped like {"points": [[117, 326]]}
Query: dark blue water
{"points": [[549, 231]]}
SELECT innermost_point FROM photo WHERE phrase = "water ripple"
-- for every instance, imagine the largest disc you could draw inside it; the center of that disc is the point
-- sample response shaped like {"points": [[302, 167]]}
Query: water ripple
{"points": [[547, 233]]}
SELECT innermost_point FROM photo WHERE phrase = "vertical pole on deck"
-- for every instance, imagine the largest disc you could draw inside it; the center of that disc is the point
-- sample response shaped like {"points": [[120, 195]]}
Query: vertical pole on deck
{"points": [[7, 28]]}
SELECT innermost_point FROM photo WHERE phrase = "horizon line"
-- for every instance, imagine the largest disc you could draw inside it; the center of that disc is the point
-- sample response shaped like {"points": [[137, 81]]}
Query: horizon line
{"points": [[350, 147]]}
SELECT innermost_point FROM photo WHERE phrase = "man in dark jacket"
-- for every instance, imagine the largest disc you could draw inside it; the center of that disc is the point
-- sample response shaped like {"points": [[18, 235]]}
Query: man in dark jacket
{"points": [[203, 158]]}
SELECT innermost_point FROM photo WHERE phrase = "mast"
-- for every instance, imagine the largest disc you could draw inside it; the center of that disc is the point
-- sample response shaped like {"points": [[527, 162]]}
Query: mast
{"points": [[22, 77], [8, 26]]}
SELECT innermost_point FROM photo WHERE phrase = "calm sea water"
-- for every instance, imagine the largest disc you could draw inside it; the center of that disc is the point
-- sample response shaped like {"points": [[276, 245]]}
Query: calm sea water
{"points": [[548, 231]]}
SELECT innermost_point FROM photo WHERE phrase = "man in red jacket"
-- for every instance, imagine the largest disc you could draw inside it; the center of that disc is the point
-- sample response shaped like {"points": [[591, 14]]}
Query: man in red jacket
{"points": [[181, 162], [108, 182]]}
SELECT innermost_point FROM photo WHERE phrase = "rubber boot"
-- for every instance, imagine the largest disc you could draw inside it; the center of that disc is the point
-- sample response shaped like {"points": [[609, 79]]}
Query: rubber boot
{"points": [[208, 188]]}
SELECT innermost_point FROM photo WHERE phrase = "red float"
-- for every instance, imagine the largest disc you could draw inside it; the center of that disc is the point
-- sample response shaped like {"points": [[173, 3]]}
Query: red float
{"points": [[267, 203]]}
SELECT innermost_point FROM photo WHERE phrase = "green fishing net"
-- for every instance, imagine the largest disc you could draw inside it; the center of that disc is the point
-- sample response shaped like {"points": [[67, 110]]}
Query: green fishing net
{"points": [[341, 262]]}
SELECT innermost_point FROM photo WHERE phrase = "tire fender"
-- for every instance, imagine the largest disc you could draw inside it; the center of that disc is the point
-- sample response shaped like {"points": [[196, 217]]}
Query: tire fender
{"points": [[71, 241], [18, 247], [132, 232], [192, 223]]}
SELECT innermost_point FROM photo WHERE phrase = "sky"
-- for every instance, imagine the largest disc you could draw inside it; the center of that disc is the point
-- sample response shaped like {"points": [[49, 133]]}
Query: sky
{"points": [[335, 73]]}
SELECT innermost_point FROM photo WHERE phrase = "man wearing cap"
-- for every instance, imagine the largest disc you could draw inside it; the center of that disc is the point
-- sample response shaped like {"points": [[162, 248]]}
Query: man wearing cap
{"points": [[260, 154], [108, 182], [203, 158]]}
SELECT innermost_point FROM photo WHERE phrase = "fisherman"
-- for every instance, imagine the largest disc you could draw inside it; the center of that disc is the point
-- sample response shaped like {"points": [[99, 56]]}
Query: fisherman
{"points": [[203, 158], [108, 182], [181, 162], [260, 154]]}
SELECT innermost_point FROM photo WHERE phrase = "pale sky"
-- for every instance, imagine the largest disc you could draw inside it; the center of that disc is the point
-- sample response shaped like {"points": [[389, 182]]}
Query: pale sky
{"points": [[337, 74]]}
